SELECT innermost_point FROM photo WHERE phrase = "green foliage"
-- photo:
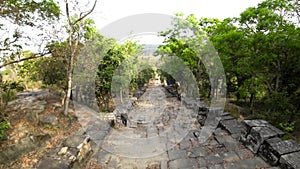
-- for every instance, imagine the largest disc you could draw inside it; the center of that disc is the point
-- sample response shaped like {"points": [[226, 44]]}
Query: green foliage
{"points": [[4, 125], [287, 127], [142, 78], [116, 55], [23, 14], [191, 49], [49, 70], [260, 54], [9, 90]]}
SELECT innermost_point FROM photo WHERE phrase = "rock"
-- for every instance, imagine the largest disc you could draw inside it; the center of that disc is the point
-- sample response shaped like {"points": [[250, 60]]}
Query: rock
{"points": [[63, 151], [26, 145], [56, 106], [38, 108], [138, 94], [50, 163], [74, 141], [48, 120]]}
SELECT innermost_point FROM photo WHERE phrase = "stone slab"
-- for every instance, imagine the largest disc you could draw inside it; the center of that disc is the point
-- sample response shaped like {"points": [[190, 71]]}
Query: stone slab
{"points": [[228, 142], [213, 160], [250, 163], [177, 154], [196, 152], [290, 161], [183, 164], [232, 126], [244, 153], [230, 156]]}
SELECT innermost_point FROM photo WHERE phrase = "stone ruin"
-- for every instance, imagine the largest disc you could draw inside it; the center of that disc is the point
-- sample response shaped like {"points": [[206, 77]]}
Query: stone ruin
{"points": [[258, 136]]}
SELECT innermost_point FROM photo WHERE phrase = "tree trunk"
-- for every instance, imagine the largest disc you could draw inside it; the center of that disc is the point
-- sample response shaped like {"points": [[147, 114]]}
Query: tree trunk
{"points": [[252, 102], [1, 100], [67, 98], [121, 95]]}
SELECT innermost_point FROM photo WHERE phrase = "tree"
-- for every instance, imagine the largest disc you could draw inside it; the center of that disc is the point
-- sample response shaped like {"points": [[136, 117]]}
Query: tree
{"points": [[22, 13], [188, 42], [74, 30], [117, 63], [259, 51]]}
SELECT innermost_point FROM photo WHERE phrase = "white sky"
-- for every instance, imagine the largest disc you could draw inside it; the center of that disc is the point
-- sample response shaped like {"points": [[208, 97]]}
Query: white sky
{"points": [[108, 11]]}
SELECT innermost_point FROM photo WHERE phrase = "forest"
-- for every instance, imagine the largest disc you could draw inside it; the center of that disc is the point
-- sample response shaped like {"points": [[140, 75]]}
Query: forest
{"points": [[259, 51]]}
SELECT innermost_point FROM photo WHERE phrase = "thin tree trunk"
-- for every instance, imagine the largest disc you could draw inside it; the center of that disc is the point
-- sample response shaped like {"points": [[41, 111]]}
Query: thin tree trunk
{"points": [[121, 95], [73, 49], [1, 100], [67, 101], [252, 102]]}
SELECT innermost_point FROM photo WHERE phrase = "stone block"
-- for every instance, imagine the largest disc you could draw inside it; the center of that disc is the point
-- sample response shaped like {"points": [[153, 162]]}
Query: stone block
{"points": [[272, 149], [232, 126], [226, 116], [228, 142], [213, 160], [183, 164], [258, 135], [177, 154], [290, 161]]}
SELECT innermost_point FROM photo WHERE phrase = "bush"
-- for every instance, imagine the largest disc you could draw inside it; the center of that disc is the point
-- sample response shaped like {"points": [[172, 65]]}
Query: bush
{"points": [[3, 127], [10, 88]]}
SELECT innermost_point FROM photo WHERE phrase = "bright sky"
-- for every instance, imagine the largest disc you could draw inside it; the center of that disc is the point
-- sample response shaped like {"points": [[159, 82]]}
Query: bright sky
{"points": [[109, 11]]}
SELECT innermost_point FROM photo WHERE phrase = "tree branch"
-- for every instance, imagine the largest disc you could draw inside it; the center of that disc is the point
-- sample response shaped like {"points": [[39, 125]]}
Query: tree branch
{"points": [[86, 13], [68, 13], [24, 59]]}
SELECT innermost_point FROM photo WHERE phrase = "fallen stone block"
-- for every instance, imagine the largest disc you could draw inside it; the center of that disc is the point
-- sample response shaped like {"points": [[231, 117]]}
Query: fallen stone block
{"points": [[272, 149]]}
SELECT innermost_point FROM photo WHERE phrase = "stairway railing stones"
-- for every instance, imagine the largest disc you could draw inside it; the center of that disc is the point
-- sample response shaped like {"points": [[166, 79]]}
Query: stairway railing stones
{"points": [[76, 149], [264, 140], [258, 136]]}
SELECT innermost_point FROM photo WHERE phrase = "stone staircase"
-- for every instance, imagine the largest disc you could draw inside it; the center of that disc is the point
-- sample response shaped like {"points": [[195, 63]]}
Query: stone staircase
{"points": [[249, 144]]}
